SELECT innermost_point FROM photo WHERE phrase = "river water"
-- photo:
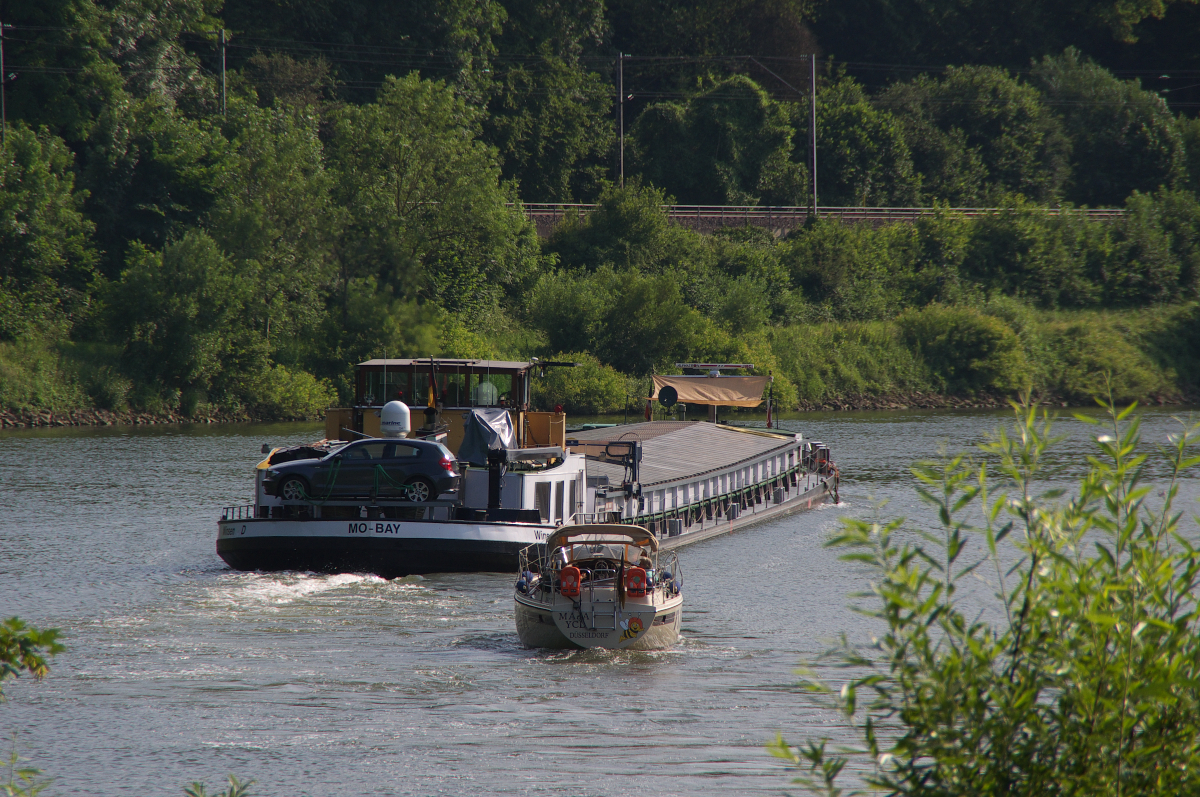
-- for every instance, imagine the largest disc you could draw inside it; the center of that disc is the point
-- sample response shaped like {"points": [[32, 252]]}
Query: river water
{"points": [[178, 669]]}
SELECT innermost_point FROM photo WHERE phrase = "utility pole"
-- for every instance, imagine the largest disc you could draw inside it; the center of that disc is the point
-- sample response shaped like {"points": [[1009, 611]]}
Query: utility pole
{"points": [[222, 71], [621, 109], [812, 126], [3, 83]]}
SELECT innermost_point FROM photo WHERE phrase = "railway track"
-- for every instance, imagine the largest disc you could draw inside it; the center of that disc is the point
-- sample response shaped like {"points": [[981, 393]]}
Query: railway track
{"points": [[781, 220]]}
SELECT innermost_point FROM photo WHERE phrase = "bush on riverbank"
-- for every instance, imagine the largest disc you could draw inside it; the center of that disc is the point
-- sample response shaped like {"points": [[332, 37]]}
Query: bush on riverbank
{"points": [[590, 389], [34, 377], [994, 348], [1089, 680], [998, 347]]}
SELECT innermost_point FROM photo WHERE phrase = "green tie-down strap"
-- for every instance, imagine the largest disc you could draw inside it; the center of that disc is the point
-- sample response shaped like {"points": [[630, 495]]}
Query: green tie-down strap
{"points": [[333, 474], [379, 471]]}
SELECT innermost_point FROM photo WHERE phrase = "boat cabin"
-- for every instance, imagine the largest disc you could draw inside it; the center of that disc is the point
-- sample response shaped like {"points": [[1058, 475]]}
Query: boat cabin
{"points": [[438, 392]]}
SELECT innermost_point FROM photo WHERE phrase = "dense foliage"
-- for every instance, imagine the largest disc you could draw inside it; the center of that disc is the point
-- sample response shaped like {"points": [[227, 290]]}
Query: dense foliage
{"points": [[177, 238], [1078, 675], [24, 649]]}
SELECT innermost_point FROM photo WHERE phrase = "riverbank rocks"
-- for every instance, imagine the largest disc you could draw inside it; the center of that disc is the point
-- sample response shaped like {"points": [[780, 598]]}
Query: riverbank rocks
{"points": [[916, 400], [934, 401], [12, 419]]}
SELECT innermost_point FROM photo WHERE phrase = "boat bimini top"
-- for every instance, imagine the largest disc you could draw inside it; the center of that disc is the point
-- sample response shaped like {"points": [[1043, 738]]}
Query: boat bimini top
{"points": [[601, 534]]}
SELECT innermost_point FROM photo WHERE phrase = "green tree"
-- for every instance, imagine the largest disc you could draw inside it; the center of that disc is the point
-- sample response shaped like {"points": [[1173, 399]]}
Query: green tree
{"points": [[590, 388], [729, 144], [1179, 214], [449, 40], [977, 133], [1155, 254], [966, 350], [850, 271], [942, 242], [1087, 683], [629, 229], [551, 121], [749, 256], [1189, 130], [65, 76], [1123, 138], [634, 322], [427, 211], [150, 173], [47, 260], [1054, 261], [989, 32], [550, 116], [276, 220], [776, 29], [182, 314], [862, 156], [299, 83], [371, 321]]}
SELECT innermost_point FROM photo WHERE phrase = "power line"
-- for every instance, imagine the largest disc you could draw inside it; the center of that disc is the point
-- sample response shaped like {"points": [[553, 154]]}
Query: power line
{"points": [[319, 46]]}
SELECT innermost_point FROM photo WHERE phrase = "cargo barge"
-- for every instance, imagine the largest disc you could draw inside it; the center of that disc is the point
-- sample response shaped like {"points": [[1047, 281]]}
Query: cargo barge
{"points": [[522, 476]]}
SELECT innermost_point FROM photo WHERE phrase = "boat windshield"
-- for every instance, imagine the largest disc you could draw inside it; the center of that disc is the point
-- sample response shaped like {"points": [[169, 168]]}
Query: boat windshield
{"points": [[601, 534]]}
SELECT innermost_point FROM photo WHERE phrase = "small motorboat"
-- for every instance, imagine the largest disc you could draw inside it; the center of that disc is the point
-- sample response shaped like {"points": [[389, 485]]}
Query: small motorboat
{"points": [[599, 586]]}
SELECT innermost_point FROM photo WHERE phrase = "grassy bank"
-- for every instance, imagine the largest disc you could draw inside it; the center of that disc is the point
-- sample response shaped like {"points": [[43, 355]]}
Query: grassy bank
{"points": [[44, 382], [998, 348], [935, 356]]}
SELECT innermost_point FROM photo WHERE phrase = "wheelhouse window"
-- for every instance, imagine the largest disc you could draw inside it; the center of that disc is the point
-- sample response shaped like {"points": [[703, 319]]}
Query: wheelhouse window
{"points": [[381, 387], [491, 390], [455, 384]]}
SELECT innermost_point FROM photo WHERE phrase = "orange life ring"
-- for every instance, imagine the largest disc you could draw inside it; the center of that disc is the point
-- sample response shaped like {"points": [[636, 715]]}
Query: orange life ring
{"points": [[570, 581], [635, 582]]}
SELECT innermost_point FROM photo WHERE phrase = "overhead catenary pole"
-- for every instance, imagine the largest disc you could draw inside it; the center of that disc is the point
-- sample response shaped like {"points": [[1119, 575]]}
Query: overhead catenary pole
{"points": [[812, 125], [222, 71], [3, 82], [621, 111]]}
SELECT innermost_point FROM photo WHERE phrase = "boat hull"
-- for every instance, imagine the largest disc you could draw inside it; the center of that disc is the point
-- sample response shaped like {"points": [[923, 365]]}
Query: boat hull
{"points": [[390, 549], [394, 548], [561, 626]]}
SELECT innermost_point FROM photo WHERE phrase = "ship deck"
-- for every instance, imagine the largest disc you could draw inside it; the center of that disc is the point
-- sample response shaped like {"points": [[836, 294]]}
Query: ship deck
{"points": [[675, 451]]}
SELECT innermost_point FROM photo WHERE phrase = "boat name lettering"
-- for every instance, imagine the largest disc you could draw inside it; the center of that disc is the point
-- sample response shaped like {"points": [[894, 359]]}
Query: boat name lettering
{"points": [[228, 531], [380, 528], [572, 619], [588, 634]]}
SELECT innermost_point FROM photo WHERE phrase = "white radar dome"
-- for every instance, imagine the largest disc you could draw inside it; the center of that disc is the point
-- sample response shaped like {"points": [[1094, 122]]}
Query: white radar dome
{"points": [[486, 394], [394, 419]]}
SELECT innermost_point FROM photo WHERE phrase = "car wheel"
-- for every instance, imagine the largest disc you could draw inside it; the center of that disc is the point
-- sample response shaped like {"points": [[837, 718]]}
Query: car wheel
{"points": [[421, 490], [293, 489]]}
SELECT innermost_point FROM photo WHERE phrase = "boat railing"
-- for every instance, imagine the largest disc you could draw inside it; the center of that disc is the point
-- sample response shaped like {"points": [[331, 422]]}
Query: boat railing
{"points": [[364, 501], [668, 562], [243, 512], [589, 518], [592, 579]]}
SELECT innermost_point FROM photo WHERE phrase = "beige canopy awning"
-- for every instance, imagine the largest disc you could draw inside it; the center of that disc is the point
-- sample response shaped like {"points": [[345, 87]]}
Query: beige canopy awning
{"points": [[726, 391]]}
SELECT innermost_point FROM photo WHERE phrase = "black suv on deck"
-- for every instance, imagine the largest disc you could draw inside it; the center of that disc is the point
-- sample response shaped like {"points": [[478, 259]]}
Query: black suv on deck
{"points": [[418, 470]]}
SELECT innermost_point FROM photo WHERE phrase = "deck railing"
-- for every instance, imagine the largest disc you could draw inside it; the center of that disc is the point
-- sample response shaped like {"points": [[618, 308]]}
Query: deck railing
{"points": [[243, 512]]}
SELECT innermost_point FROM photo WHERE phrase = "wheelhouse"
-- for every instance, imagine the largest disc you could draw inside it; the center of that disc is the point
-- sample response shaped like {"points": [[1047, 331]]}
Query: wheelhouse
{"points": [[439, 391]]}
